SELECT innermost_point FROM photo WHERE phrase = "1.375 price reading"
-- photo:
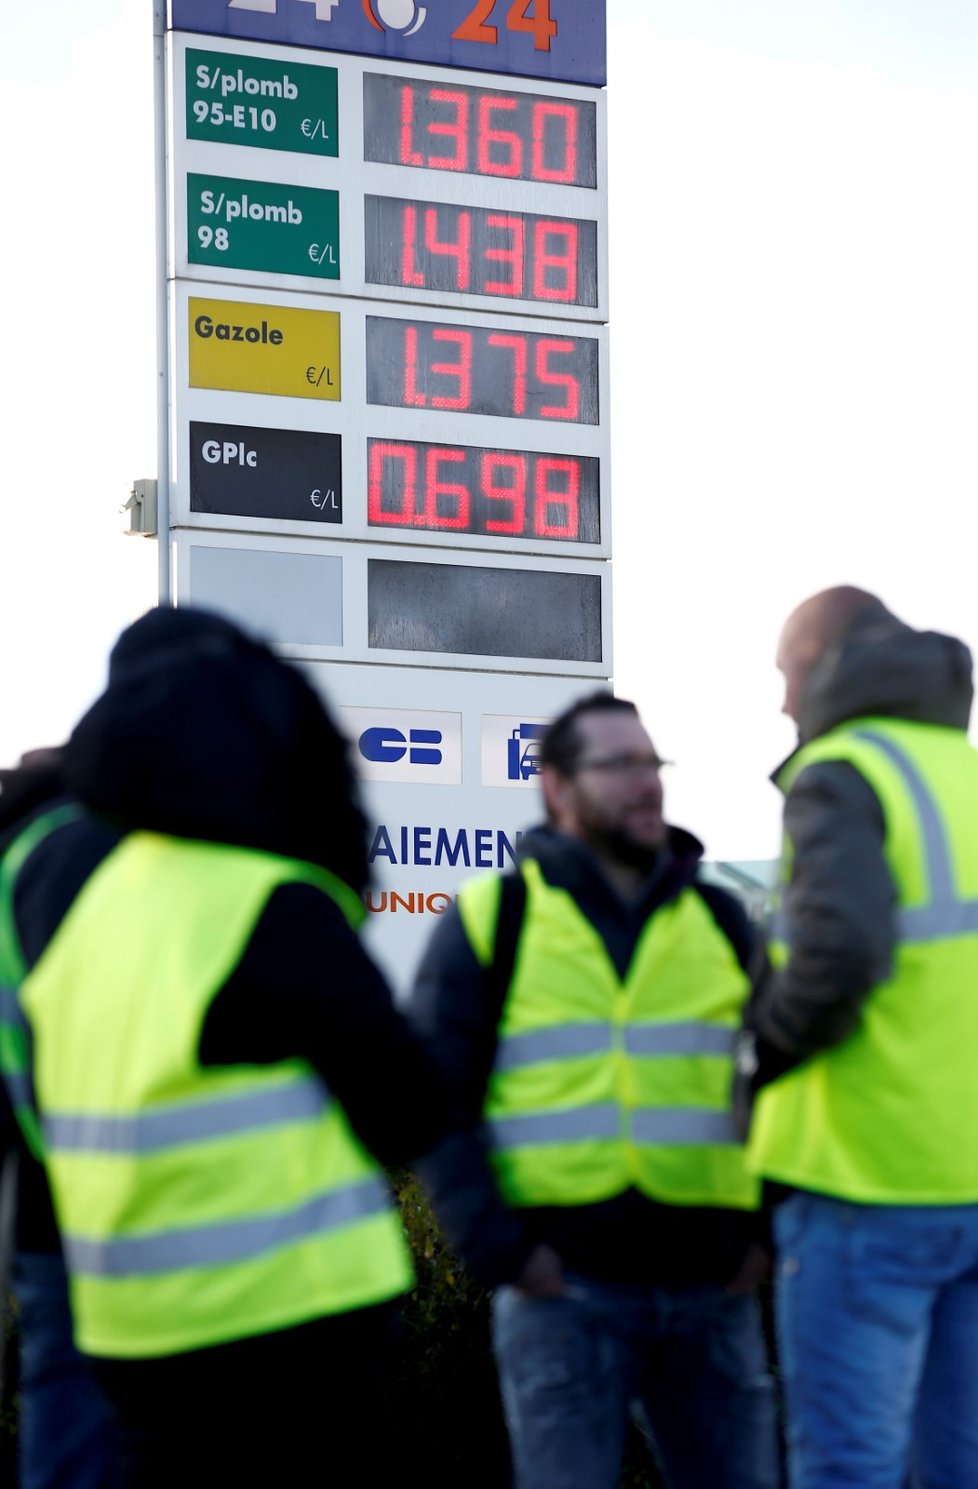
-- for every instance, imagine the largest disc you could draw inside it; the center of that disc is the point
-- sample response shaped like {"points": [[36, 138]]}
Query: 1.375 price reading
{"points": [[508, 373]]}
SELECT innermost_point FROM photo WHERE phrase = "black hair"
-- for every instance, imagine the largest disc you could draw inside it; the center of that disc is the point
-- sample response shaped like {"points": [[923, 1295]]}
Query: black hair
{"points": [[561, 746]]}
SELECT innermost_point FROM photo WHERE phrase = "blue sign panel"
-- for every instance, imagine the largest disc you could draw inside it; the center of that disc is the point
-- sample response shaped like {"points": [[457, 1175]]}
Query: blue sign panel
{"points": [[559, 39]]}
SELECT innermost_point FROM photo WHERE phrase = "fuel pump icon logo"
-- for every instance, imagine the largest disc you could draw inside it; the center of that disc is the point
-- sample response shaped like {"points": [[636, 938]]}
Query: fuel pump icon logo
{"points": [[523, 751]]}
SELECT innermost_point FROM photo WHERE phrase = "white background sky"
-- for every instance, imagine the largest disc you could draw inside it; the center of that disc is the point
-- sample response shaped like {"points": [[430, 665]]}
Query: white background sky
{"points": [[794, 332]]}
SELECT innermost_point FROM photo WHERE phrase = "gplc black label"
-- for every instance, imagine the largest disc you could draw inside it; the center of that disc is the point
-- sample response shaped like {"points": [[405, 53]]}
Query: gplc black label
{"points": [[239, 471]]}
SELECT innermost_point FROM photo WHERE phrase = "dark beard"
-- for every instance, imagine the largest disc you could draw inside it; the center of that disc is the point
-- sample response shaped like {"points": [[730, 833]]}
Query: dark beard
{"points": [[623, 848]]}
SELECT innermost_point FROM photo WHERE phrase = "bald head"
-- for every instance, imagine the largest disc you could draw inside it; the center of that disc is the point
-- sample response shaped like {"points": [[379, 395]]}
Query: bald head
{"points": [[816, 624]]}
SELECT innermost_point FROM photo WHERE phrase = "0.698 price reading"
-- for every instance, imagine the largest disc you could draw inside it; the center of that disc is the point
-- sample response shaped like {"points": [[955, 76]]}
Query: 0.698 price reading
{"points": [[499, 493]]}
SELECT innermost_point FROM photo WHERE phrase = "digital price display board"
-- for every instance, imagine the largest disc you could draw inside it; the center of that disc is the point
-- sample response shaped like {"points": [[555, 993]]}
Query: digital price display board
{"points": [[497, 493], [504, 372], [478, 251], [450, 126]]}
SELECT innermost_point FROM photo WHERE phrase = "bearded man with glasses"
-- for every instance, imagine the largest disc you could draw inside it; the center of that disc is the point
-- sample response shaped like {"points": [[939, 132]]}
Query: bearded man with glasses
{"points": [[585, 1006]]}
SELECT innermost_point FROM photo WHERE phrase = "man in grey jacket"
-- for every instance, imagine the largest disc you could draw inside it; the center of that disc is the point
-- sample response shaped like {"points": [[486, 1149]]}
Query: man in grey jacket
{"points": [[862, 1047]]}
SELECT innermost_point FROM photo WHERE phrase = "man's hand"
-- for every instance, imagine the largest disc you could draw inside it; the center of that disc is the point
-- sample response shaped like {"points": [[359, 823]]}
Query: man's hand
{"points": [[542, 1275]]}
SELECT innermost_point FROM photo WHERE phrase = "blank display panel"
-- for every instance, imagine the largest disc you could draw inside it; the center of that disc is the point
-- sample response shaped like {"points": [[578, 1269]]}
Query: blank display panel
{"points": [[484, 612]]}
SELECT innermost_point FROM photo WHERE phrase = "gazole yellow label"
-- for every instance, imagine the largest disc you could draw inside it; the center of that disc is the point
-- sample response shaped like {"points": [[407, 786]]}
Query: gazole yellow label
{"points": [[264, 349]]}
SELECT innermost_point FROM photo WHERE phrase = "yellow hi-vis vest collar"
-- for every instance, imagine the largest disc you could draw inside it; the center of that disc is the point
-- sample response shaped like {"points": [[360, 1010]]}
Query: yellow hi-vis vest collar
{"points": [[196, 1205], [890, 1116], [602, 1084]]}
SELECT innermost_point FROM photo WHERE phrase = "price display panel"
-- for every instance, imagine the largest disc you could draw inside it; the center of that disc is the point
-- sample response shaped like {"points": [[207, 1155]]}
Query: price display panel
{"points": [[358, 602], [459, 489], [485, 436], [442, 125], [502, 371], [554, 617], [346, 177], [478, 251]]}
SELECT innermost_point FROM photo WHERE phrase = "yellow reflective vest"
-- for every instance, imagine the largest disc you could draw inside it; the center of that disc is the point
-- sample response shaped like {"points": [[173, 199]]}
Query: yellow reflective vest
{"points": [[196, 1204], [890, 1116], [600, 1083]]}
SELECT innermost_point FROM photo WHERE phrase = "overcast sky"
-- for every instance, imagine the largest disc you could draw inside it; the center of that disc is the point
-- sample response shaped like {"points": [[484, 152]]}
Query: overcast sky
{"points": [[794, 317]]}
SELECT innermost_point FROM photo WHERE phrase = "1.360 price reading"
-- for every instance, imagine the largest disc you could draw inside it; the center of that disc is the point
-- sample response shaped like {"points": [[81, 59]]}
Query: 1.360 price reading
{"points": [[479, 131], [499, 493]]}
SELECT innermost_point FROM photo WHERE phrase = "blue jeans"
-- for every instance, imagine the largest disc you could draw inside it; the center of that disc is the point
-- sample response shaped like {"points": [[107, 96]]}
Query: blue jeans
{"points": [[68, 1438], [877, 1311], [691, 1359]]}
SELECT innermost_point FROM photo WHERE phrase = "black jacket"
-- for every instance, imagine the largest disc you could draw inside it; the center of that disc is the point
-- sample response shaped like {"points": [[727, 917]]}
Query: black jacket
{"points": [[840, 902], [456, 1006]]}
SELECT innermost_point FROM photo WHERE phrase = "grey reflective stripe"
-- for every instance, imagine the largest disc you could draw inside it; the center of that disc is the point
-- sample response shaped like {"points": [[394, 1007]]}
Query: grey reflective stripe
{"points": [[689, 1038], [936, 848], [559, 1042], [683, 1126], [574, 1124], [945, 915], [570, 1041], [935, 922], [189, 1122], [228, 1241], [666, 1126]]}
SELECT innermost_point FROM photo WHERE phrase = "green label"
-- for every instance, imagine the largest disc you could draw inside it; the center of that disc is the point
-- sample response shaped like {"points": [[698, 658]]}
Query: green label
{"points": [[259, 102], [263, 225]]}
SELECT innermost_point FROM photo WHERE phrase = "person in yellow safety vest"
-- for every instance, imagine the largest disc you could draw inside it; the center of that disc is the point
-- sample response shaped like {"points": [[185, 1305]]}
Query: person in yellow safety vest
{"points": [[586, 1008], [219, 1071], [861, 1052]]}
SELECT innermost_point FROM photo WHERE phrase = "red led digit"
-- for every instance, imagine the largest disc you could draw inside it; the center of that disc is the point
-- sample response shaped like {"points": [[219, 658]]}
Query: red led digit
{"points": [[514, 493], [409, 225], [567, 114], [381, 453], [514, 256], [456, 129], [565, 262], [546, 499], [490, 163], [458, 250], [435, 487], [462, 369], [408, 156], [545, 346], [412, 398], [517, 345]]}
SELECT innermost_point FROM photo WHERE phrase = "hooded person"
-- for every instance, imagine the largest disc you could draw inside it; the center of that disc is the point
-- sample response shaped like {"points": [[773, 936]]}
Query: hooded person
{"points": [[860, 1049], [220, 1071]]}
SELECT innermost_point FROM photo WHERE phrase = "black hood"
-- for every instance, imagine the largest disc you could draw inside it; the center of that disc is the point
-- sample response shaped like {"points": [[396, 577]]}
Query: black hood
{"points": [[883, 668], [203, 732], [26, 788]]}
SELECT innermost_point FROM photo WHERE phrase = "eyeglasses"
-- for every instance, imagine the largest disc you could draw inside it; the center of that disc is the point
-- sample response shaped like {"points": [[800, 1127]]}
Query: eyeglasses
{"points": [[624, 765]]}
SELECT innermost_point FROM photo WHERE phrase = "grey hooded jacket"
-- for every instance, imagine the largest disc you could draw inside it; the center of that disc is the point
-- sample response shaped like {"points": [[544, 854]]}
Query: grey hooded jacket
{"points": [[839, 905]]}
